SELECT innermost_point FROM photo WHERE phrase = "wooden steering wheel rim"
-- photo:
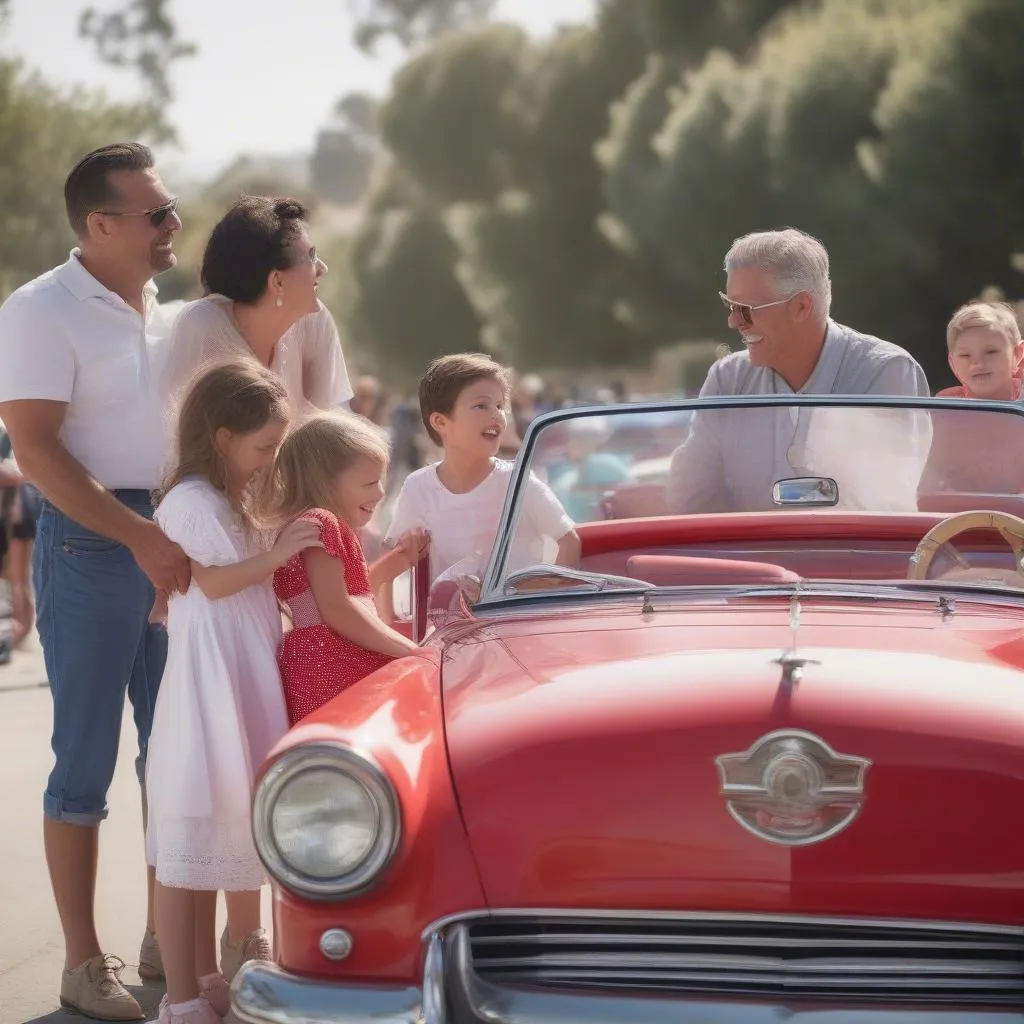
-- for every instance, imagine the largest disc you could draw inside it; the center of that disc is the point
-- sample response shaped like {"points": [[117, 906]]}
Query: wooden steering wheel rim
{"points": [[1009, 527]]}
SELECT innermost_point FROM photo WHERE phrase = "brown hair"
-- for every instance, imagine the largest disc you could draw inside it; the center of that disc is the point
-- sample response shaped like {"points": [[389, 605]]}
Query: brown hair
{"points": [[996, 316], [241, 396], [313, 455], [446, 378]]}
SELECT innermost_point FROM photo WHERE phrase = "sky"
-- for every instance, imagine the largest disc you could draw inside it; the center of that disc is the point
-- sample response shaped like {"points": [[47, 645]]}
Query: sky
{"points": [[265, 79]]}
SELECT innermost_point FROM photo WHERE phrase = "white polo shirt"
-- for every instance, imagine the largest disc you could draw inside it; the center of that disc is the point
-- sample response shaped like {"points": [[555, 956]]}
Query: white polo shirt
{"points": [[66, 338]]}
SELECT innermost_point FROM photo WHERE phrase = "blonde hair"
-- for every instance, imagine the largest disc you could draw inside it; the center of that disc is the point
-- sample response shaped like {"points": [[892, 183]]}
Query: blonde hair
{"points": [[240, 396], [314, 453], [996, 316]]}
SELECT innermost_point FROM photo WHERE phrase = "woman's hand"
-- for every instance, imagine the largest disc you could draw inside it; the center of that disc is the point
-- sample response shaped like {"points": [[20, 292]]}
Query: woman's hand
{"points": [[295, 537]]}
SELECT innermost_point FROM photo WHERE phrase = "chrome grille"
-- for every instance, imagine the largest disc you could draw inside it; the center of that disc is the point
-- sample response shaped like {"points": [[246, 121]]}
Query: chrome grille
{"points": [[908, 962]]}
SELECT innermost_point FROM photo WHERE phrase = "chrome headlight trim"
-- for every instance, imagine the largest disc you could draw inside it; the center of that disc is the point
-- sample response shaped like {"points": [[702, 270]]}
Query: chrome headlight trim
{"points": [[360, 768]]}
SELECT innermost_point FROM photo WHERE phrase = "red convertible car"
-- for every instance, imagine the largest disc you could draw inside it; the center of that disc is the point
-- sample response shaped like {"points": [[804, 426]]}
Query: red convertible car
{"points": [[759, 757]]}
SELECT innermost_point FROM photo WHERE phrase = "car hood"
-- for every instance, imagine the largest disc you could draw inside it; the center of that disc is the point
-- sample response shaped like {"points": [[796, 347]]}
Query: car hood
{"points": [[585, 754]]}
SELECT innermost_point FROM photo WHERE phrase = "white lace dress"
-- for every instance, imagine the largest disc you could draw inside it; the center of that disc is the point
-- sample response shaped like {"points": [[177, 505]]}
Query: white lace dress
{"points": [[220, 707]]}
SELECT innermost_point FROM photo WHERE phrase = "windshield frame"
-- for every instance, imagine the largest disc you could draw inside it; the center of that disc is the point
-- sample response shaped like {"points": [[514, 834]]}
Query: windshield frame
{"points": [[491, 591]]}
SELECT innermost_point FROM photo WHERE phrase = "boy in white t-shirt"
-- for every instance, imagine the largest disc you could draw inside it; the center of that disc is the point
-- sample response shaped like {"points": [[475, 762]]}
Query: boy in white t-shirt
{"points": [[464, 402]]}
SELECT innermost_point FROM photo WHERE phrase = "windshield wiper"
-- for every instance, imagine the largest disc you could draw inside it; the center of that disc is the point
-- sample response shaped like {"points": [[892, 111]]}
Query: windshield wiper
{"points": [[591, 582]]}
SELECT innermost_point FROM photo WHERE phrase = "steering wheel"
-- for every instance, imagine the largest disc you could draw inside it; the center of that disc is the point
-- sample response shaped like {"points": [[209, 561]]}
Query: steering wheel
{"points": [[1010, 528]]}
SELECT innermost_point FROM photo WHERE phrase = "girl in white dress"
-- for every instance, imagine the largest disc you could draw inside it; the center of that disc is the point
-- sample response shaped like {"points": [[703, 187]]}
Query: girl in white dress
{"points": [[220, 707]]}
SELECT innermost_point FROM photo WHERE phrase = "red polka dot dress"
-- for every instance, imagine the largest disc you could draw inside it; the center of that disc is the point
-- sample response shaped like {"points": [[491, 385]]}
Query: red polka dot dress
{"points": [[316, 662]]}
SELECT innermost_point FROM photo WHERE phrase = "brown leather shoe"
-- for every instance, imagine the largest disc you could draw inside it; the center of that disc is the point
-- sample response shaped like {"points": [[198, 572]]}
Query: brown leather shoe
{"points": [[151, 964], [255, 946], [94, 989]]}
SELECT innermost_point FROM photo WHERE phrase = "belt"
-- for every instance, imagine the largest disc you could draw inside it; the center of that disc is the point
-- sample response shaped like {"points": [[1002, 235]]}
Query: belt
{"points": [[135, 495]]}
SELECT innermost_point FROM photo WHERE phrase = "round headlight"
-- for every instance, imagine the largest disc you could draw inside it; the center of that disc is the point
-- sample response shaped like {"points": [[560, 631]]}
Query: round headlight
{"points": [[325, 821]]}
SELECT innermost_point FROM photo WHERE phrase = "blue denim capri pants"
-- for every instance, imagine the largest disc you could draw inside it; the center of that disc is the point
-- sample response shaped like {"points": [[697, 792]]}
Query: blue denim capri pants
{"points": [[92, 607]]}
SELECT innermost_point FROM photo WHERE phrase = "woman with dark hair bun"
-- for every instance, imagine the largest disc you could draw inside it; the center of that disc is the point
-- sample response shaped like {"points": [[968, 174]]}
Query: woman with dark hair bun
{"points": [[260, 272]]}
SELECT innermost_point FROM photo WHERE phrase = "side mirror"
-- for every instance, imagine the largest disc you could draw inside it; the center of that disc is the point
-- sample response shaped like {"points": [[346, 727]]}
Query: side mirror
{"points": [[806, 492]]}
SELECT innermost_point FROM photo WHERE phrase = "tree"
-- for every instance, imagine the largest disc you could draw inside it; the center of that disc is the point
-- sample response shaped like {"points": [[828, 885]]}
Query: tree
{"points": [[549, 286], [141, 36], [892, 130], [359, 114], [406, 305], [687, 30], [339, 167], [412, 21], [346, 150], [453, 120], [952, 115], [43, 132]]}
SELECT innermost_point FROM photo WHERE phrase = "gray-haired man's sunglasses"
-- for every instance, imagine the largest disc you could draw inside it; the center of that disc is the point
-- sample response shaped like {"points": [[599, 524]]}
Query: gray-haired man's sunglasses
{"points": [[745, 311]]}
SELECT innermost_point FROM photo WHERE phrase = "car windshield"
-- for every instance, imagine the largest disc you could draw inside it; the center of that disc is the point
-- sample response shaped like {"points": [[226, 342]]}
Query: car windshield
{"points": [[765, 492]]}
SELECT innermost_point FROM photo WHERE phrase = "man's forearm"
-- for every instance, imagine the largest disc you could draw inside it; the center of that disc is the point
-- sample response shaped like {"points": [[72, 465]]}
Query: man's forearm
{"points": [[65, 483]]}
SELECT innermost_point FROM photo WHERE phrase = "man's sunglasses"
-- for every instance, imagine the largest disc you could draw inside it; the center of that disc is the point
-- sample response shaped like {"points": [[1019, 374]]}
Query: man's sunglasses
{"points": [[157, 214], [745, 311]]}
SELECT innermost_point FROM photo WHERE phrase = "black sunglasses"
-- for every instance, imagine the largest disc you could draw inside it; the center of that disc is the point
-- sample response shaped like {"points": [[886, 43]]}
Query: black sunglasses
{"points": [[157, 214]]}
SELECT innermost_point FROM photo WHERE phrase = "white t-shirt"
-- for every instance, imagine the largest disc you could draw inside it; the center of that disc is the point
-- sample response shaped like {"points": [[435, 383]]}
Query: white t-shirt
{"points": [[463, 526], [308, 358], [64, 337]]}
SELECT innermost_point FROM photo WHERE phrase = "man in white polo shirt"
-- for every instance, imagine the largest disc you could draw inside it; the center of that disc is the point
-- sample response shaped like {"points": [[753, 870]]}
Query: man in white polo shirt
{"points": [[778, 294], [78, 393]]}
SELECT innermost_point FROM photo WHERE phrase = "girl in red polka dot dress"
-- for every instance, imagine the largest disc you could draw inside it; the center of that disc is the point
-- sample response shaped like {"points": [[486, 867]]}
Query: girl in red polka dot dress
{"points": [[330, 471]]}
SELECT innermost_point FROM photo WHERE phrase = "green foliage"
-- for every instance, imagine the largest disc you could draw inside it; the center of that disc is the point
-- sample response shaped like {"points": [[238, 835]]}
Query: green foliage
{"points": [[406, 305], [340, 166], [688, 29], [358, 113], [547, 283], [43, 132], [453, 120], [892, 130], [141, 36], [412, 21], [952, 116]]}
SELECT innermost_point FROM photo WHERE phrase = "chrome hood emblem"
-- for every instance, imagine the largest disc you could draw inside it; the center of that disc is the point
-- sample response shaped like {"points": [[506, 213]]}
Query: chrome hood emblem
{"points": [[792, 788]]}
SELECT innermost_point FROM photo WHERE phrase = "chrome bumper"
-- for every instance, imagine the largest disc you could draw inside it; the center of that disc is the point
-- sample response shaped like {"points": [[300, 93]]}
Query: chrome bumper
{"points": [[453, 993]]}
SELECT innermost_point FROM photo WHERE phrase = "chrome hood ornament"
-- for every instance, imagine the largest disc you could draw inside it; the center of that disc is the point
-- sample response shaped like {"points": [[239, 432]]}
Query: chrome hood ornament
{"points": [[792, 788], [791, 661]]}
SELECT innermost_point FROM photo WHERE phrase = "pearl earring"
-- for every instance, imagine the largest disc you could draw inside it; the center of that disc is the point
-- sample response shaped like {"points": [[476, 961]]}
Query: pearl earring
{"points": [[280, 302]]}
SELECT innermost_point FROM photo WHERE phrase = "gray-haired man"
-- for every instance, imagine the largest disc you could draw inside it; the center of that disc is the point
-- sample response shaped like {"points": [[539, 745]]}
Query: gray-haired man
{"points": [[778, 294]]}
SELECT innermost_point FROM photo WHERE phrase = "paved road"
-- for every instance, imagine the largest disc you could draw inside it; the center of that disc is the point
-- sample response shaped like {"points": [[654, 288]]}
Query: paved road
{"points": [[31, 950]]}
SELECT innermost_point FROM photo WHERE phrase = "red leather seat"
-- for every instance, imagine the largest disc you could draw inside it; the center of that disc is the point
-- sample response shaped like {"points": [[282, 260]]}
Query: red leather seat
{"points": [[688, 570]]}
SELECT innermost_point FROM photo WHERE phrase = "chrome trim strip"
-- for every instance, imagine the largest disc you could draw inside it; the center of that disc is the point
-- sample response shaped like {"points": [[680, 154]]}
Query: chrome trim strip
{"points": [[570, 914], [706, 965], [264, 994], [653, 938], [434, 1007]]}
